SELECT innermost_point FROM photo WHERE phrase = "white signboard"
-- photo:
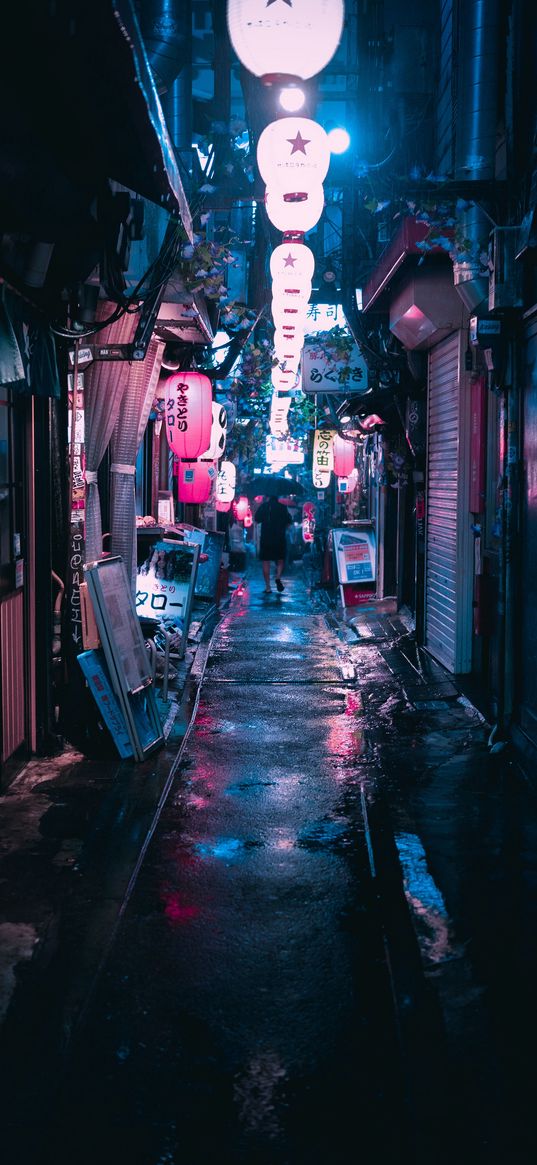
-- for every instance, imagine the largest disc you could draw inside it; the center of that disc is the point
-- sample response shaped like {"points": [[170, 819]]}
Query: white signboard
{"points": [[322, 374], [355, 555]]}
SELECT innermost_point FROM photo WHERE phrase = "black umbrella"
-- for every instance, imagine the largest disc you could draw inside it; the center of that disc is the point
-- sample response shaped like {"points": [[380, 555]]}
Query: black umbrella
{"points": [[272, 485]]}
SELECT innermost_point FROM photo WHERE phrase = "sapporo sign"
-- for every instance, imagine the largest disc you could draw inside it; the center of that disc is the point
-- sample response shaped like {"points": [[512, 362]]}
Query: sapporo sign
{"points": [[322, 374]]}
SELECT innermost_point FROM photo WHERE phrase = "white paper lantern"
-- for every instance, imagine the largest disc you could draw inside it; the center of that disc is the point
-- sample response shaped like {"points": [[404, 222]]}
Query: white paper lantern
{"points": [[287, 213], [279, 411], [293, 38], [293, 154], [226, 481], [323, 458], [293, 261], [286, 348], [290, 299], [218, 432], [282, 381], [286, 318]]}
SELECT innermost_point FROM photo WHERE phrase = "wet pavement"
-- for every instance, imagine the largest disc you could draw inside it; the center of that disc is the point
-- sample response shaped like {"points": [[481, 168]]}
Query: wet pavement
{"points": [[328, 951]]}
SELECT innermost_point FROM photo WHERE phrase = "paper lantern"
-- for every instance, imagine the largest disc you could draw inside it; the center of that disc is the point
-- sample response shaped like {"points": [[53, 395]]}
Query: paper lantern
{"points": [[188, 405], [289, 213], [241, 508], [279, 412], [323, 458], [294, 261], [344, 456], [225, 482], [293, 154], [284, 348], [286, 317], [195, 481], [291, 38], [308, 529], [290, 301], [218, 432], [248, 519], [346, 485], [223, 507]]}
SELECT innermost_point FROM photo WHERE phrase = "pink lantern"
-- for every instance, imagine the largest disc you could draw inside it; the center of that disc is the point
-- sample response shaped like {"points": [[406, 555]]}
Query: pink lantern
{"points": [[242, 506], [296, 38], [188, 403], [248, 519], [223, 507], [298, 211], [344, 455], [347, 485], [195, 481], [293, 262], [293, 154]]}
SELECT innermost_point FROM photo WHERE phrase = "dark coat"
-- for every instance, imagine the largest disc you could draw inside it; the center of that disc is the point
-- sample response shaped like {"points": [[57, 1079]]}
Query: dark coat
{"points": [[274, 519]]}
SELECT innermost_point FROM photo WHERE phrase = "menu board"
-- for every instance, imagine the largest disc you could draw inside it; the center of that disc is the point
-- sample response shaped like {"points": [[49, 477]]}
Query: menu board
{"points": [[355, 552], [127, 663]]}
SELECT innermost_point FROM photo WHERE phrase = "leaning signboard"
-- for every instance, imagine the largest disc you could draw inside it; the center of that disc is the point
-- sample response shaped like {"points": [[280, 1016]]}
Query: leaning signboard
{"points": [[321, 373]]}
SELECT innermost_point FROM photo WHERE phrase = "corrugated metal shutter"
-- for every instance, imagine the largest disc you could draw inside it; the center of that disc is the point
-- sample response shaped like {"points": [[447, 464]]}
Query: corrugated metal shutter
{"points": [[12, 673], [447, 599]]}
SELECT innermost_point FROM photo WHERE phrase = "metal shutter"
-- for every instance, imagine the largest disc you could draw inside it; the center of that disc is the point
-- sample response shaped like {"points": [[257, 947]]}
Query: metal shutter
{"points": [[448, 578]]}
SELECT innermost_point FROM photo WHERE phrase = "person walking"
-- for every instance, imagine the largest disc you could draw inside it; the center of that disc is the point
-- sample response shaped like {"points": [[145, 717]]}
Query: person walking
{"points": [[274, 519]]}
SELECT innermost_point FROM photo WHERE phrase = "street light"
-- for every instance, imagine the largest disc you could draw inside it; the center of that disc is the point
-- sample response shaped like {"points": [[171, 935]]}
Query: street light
{"points": [[292, 99], [339, 140]]}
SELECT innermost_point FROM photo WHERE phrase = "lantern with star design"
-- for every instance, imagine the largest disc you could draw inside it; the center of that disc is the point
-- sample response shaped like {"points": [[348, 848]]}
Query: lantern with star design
{"points": [[293, 154], [295, 39], [296, 211], [293, 262]]}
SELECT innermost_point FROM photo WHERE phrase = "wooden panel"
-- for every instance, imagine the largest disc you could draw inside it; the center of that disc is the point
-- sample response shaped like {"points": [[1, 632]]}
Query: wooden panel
{"points": [[12, 673]]}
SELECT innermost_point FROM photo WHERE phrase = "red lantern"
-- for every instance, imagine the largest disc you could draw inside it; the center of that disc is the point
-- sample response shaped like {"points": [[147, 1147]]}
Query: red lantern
{"points": [[195, 481], [248, 519], [242, 506], [188, 414], [344, 453]]}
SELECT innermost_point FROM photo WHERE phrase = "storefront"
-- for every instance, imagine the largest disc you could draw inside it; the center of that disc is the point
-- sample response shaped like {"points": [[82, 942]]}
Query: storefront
{"points": [[449, 567]]}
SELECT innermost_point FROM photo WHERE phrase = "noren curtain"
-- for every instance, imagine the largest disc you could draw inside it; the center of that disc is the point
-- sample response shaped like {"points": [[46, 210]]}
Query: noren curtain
{"points": [[104, 387], [126, 439]]}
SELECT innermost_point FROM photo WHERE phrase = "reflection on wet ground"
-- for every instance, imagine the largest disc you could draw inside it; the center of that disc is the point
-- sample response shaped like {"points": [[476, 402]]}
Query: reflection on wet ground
{"points": [[331, 941]]}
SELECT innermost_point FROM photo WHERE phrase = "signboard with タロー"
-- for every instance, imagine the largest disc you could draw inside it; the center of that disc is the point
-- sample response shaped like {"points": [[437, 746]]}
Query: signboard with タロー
{"points": [[320, 373], [165, 581]]}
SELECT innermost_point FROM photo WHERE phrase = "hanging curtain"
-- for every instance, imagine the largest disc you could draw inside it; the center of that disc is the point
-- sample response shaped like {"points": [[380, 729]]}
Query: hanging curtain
{"points": [[104, 387], [126, 440]]}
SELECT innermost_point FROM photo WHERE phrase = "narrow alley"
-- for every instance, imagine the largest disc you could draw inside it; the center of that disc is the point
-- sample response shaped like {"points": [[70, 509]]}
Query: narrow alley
{"points": [[315, 961]]}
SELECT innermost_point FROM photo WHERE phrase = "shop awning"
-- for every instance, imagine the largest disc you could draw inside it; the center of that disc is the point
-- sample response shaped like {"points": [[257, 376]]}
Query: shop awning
{"points": [[78, 104]]}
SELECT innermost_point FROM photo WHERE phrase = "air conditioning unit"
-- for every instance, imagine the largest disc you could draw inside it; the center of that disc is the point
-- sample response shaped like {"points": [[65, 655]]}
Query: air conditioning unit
{"points": [[505, 280]]}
